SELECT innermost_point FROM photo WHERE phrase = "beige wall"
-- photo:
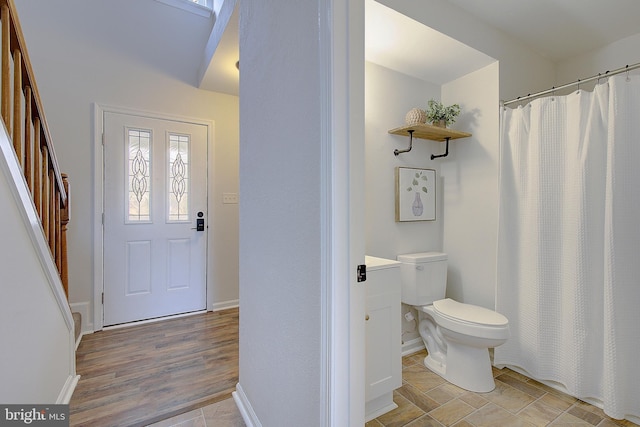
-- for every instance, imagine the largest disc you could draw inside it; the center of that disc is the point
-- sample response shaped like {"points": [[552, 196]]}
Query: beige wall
{"points": [[613, 56], [470, 177], [389, 95]]}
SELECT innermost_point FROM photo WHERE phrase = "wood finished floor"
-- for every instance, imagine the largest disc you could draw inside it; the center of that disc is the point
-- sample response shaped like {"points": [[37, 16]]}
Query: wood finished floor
{"points": [[138, 375]]}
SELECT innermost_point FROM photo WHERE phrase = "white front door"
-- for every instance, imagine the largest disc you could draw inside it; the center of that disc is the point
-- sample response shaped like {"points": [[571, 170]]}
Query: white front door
{"points": [[155, 193]]}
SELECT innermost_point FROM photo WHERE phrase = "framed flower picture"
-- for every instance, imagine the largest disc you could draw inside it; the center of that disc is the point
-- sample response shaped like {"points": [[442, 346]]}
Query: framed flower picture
{"points": [[415, 194]]}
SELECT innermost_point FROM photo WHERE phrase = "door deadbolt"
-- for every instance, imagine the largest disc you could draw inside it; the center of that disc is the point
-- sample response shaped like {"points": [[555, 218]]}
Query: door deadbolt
{"points": [[199, 222]]}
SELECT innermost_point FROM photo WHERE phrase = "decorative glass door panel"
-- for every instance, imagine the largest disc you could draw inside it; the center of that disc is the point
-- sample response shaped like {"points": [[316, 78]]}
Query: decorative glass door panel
{"points": [[138, 173], [178, 178]]}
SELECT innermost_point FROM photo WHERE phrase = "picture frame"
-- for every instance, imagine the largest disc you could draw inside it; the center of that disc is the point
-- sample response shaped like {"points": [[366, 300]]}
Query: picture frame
{"points": [[415, 194]]}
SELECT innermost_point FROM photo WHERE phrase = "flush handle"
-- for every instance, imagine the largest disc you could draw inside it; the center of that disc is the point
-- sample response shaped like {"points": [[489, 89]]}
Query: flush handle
{"points": [[420, 267]]}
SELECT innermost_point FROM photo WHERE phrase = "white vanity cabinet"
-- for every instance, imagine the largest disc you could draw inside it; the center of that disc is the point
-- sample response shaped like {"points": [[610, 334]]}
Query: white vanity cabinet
{"points": [[383, 335]]}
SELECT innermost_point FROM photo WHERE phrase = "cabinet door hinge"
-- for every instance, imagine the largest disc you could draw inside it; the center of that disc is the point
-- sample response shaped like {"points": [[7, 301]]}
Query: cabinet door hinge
{"points": [[103, 298]]}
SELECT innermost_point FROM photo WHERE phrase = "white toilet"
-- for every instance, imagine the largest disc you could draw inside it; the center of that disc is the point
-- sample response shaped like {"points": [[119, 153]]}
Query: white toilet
{"points": [[457, 336]]}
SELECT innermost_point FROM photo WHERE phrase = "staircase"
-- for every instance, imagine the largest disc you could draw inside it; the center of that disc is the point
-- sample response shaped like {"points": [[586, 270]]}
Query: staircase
{"points": [[23, 117], [77, 324]]}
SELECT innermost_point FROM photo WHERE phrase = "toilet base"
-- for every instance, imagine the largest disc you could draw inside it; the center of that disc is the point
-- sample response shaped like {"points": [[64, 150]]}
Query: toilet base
{"points": [[435, 366], [467, 367]]}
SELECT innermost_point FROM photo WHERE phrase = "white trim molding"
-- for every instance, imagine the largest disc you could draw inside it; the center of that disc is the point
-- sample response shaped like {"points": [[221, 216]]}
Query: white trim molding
{"points": [[98, 183], [244, 406], [67, 390], [191, 6], [98, 207], [342, 151], [412, 346], [224, 305]]}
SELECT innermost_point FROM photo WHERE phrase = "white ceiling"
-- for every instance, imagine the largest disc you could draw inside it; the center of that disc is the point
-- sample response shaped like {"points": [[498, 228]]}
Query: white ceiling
{"points": [[395, 41], [222, 52], [556, 29], [559, 29]]}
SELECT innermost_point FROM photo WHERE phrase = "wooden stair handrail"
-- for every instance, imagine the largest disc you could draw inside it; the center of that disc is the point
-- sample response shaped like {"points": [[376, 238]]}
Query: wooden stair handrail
{"points": [[17, 44], [31, 138]]}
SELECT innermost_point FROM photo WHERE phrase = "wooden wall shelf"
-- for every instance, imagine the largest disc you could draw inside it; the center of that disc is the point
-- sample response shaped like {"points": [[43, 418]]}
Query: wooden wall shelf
{"points": [[433, 133]]}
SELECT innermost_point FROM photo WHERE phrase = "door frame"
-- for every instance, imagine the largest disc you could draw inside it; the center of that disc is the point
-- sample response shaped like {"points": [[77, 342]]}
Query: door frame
{"points": [[98, 199]]}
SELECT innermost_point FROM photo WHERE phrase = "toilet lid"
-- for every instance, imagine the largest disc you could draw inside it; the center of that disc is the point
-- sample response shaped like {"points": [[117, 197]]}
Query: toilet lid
{"points": [[469, 313]]}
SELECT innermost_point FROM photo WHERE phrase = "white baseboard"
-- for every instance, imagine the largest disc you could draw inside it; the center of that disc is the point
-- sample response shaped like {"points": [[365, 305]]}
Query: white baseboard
{"points": [[412, 346], [379, 406], [244, 406], [224, 305], [78, 340], [67, 390]]}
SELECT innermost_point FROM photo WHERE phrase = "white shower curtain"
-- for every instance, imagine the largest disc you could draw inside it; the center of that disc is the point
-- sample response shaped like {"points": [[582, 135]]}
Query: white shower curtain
{"points": [[569, 242]]}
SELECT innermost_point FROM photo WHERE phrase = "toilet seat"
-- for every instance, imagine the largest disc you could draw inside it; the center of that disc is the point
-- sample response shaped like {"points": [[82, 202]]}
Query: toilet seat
{"points": [[470, 319], [469, 313]]}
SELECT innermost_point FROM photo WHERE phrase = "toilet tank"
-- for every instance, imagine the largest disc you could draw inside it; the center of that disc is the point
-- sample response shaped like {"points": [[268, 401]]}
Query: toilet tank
{"points": [[423, 277]]}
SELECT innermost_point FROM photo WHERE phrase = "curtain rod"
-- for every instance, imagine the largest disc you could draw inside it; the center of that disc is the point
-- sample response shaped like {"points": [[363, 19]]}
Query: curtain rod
{"points": [[577, 82]]}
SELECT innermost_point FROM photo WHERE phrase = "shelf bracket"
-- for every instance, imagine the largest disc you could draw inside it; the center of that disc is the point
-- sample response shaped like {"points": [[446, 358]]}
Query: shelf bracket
{"points": [[396, 151], [446, 150]]}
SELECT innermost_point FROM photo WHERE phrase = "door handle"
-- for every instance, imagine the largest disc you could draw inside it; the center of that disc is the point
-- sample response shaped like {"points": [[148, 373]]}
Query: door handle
{"points": [[199, 222]]}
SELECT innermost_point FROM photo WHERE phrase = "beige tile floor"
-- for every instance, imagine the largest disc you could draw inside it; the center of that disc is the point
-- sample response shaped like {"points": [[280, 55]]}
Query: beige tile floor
{"points": [[426, 400], [221, 414]]}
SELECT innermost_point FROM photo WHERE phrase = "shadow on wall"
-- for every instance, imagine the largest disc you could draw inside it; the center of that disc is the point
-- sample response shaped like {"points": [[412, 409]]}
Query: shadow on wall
{"points": [[454, 280]]}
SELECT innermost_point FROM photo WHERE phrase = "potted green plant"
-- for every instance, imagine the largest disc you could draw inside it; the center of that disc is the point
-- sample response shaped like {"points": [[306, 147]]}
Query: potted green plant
{"points": [[442, 116]]}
